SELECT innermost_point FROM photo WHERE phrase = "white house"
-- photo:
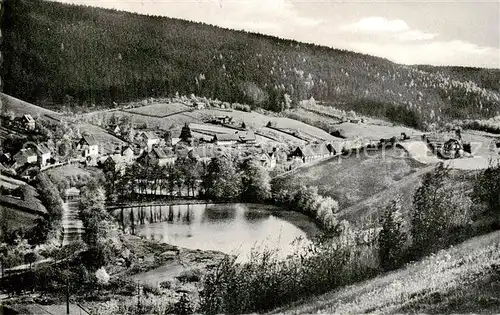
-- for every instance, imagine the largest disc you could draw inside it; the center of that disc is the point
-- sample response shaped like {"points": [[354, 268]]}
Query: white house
{"points": [[28, 122], [89, 146], [150, 139], [43, 154], [25, 156], [128, 154]]}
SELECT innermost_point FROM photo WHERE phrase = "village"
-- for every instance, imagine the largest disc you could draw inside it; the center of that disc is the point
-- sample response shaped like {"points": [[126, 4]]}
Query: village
{"points": [[150, 146], [200, 142]]}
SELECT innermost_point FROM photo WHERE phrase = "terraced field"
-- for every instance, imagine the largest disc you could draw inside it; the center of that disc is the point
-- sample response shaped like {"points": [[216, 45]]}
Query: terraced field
{"points": [[165, 117]]}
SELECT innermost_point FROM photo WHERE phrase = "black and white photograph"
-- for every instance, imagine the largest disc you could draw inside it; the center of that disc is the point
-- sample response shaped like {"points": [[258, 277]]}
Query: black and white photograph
{"points": [[249, 157]]}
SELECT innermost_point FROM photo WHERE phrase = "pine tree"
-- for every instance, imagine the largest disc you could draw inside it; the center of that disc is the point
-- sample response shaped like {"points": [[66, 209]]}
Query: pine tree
{"points": [[186, 133], [430, 215], [392, 238]]}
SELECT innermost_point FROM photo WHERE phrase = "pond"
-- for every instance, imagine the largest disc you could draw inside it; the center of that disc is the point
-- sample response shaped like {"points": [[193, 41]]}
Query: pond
{"points": [[229, 228]]}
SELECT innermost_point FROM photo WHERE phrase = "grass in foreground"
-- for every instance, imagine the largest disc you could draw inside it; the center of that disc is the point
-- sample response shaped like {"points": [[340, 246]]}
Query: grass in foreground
{"points": [[465, 278]]}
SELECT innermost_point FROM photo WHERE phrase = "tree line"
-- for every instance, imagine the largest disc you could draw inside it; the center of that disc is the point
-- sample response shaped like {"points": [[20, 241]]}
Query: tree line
{"points": [[224, 178]]}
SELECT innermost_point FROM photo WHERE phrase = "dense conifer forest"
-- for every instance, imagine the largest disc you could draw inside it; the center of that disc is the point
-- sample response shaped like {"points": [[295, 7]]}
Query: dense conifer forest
{"points": [[57, 54]]}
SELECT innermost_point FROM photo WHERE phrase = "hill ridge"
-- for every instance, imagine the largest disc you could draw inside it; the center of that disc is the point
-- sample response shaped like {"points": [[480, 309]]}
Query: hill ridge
{"points": [[79, 56]]}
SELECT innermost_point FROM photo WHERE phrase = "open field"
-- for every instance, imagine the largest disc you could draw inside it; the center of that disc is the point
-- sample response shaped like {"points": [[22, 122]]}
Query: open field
{"points": [[72, 173], [17, 219], [10, 182], [160, 109], [367, 212], [21, 107], [253, 120], [351, 179], [107, 142], [461, 279], [374, 132], [206, 129]]}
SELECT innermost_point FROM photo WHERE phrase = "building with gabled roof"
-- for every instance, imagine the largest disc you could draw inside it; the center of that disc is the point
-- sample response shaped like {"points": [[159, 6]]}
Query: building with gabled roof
{"points": [[312, 152], [150, 139], [248, 137], [225, 139], [158, 156], [202, 154], [43, 153], [25, 156], [89, 146], [28, 122]]}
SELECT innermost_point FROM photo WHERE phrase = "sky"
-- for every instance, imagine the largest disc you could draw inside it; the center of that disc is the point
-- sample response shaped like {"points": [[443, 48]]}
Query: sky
{"points": [[446, 32]]}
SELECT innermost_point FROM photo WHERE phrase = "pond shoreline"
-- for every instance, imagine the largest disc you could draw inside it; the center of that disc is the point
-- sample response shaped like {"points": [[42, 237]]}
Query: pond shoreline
{"points": [[188, 225], [166, 202]]}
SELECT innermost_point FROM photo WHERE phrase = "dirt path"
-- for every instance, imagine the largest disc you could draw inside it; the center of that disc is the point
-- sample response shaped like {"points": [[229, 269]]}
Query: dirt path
{"points": [[419, 151], [72, 225]]}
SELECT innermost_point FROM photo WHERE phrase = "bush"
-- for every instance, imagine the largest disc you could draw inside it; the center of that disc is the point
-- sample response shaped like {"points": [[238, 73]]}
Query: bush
{"points": [[184, 306], [306, 200], [191, 275], [266, 282]]}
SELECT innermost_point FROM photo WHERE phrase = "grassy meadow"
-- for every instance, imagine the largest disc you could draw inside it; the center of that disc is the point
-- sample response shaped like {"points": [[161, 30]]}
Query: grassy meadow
{"points": [[462, 279], [351, 179]]}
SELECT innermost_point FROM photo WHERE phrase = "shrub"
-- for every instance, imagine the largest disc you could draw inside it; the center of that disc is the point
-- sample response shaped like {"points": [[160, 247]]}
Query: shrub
{"points": [[266, 282], [191, 275], [102, 276], [184, 306]]}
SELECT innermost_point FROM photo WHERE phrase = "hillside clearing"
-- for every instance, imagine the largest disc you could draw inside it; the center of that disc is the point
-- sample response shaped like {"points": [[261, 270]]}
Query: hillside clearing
{"points": [[374, 132], [252, 120], [351, 179], [160, 109], [20, 107], [462, 279]]}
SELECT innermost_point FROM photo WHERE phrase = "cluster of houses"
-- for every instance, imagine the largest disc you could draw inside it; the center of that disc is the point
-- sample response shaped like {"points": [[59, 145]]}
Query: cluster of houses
{"points": [[148, 147], [25, 122]]}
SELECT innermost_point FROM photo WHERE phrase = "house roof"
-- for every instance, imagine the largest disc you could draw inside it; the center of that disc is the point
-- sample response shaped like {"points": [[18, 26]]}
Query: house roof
{"points": [[320, 149], [42, 148], [72, 191], [150, 135], [90, 140], [314, 149], [25, 153], [125, 148], [159, 153], [265, 156], [29, 118], [202, 152], [226, 137], [248, 136]]}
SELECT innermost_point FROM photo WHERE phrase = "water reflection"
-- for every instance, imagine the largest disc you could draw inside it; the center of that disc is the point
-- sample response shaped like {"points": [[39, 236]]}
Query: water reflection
{"points": [[229, 228]]}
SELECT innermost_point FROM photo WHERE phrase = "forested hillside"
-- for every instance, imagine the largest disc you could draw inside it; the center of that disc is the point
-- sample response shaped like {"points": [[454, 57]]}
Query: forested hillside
{"points": [[62, 54]]}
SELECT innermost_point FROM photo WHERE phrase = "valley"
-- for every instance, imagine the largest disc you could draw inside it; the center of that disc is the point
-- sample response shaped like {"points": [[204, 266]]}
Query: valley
{"points": [[153, 165]]}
